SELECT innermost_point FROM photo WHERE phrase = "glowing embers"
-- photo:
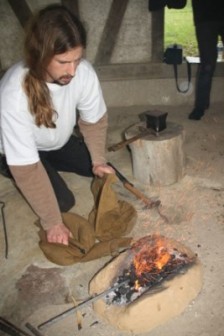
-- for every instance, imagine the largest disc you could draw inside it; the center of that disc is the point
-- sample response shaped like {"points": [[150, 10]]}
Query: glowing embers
{"points": [[152, 259]]}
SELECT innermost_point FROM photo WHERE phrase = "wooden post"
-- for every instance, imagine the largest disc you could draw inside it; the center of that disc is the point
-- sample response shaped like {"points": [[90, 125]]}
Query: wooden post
{"points": [[158, 159]]}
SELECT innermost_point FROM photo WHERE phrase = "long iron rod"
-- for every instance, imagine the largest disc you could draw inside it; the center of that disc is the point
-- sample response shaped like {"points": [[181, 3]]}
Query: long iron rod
{"points": [[82, 304], [11, 327], [4, 229], [33, 329]]}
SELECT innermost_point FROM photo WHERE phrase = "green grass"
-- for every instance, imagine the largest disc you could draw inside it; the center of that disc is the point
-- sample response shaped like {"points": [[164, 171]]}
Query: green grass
{"points": [[179, 28]]}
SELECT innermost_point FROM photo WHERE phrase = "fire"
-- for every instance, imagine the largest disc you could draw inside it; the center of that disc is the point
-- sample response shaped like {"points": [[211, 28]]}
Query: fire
{"points": [[163, 260], [137, 285], [151, 258]]}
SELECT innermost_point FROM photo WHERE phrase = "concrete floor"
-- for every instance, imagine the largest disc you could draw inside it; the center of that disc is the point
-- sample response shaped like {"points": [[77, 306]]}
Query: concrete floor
{"points": [[32, 289]]}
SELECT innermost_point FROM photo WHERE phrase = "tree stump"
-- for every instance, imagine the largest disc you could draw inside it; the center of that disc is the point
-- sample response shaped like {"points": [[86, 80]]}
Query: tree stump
{"points": [[158, 158]]}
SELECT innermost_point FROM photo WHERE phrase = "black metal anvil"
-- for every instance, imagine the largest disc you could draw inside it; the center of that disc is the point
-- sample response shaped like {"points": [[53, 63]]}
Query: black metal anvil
{"points": [[156, 120]]}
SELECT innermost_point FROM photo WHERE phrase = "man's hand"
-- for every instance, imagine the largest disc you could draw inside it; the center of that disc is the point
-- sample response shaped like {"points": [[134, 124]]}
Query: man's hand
{"points": [[58, 234], [102, 169]]}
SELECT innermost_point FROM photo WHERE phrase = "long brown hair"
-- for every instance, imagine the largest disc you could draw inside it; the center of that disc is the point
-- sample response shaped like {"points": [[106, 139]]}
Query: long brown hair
{"points": [[54, 30]]}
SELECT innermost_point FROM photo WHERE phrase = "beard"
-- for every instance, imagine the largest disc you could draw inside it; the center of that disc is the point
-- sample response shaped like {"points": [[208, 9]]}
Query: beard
{"points": [[64, 80]]}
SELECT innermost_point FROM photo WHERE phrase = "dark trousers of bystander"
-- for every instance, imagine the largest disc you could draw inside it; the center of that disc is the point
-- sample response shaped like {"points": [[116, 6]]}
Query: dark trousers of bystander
{"points": [[207, 34]]}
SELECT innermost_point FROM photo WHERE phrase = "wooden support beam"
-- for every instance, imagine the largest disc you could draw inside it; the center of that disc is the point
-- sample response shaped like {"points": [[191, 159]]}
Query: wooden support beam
{"points": [[72, 5], [157, 37], [21, 10], [110, 32]]}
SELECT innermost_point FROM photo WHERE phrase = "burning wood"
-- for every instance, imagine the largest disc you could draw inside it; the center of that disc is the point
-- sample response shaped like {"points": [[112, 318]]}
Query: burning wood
{"points": [[153, 259], [153, 263]]}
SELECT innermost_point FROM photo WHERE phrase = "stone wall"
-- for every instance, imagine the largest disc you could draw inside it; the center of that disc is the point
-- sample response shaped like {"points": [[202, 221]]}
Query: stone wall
{"points": [[134, 73], [132, 43]]}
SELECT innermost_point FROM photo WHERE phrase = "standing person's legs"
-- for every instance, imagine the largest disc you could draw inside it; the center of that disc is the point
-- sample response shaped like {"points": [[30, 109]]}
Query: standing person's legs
{"points": [[207, 37], [221, 32], [72, 157]]}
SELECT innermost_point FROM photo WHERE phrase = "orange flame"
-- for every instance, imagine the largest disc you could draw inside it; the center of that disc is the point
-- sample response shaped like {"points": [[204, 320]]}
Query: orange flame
{"points": [[151, 259], [163, 260], [137, 285]]}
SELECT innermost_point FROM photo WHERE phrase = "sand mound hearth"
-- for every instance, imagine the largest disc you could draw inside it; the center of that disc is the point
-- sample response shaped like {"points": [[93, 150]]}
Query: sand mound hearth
{"points": [[149, 310]]}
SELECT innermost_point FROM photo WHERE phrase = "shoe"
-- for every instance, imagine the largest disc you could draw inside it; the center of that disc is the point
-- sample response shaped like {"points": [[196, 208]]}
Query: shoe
{"points": [[196, 114]]}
